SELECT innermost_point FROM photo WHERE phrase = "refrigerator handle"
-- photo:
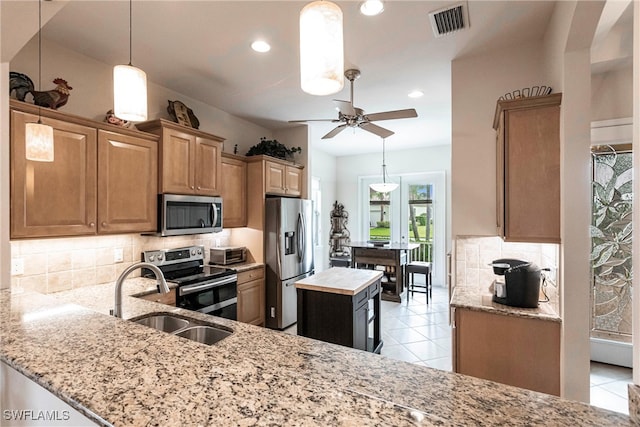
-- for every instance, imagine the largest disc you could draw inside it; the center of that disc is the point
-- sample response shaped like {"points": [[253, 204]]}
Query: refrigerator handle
{"points": [[301, 237]]}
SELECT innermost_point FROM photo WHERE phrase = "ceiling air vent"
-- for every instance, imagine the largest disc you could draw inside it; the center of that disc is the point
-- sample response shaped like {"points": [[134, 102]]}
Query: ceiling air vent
{"points": [[449, 20]]}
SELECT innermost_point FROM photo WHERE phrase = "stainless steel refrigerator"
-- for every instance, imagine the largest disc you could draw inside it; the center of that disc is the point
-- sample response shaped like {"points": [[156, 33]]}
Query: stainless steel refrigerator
{"points": [[288, 255]]}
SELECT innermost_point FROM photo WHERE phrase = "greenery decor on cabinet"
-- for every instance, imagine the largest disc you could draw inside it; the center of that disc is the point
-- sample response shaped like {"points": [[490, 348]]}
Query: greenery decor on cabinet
{"points": [[273, 148]]}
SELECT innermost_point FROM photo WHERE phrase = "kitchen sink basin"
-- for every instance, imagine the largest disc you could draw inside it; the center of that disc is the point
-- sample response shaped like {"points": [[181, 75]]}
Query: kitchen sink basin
{"points": [[163, 322], [203, 334], [191, 329]]}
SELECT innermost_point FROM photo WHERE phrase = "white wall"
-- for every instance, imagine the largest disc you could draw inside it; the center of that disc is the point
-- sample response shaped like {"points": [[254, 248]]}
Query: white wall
{"points": [[92, 94], [324, 167], [476, 84], [612, 94]]}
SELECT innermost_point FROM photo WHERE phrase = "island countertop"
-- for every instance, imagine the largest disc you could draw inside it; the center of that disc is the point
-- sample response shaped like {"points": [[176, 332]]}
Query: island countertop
{"points": [[339, 280], [117, 372]]}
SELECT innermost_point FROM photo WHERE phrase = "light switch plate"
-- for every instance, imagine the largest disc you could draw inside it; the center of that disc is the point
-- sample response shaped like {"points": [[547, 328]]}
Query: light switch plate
{"points": [[17, 266], [118, 255]]}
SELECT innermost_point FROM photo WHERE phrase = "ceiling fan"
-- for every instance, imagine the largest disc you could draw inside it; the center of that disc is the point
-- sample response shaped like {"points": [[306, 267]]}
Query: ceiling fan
{"points": [[352, 116]]}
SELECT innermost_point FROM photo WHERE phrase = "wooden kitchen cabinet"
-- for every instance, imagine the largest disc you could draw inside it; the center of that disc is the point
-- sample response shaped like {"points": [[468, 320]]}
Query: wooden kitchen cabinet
{"points": [[528, 169], [190, 161], [282, 179], [234, 190], [99, 181], [54, 198], [127, 183], [519, 351], [251, 296]]}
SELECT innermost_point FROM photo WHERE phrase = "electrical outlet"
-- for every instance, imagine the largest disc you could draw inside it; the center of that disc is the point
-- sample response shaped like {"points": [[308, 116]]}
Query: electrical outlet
{"points": [[118, 255], [17, 266]]}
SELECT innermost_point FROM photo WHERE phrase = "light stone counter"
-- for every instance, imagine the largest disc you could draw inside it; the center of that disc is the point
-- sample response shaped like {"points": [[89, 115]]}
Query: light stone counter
{"points": [[475, 299], [340, 280], [120, 373]]}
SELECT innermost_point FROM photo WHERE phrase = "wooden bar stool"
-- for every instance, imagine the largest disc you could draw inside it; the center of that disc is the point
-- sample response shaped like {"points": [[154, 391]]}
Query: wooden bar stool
{"points": [[419, 267]]}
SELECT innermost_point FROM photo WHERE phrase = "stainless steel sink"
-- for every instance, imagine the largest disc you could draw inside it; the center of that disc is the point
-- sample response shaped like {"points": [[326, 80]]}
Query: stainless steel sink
{"points": [[164, 322], [203, 334], [193, 330]]}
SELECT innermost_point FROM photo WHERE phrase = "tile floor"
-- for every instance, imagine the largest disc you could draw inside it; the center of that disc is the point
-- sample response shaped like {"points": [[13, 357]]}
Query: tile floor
{"points": [[419, 333]]}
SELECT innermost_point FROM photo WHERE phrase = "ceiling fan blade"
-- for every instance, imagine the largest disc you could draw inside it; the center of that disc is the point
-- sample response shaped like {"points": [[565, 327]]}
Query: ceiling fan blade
{"points": [[345, 107], [390, 115], [334, 132], [380, 131], [314, 120]]}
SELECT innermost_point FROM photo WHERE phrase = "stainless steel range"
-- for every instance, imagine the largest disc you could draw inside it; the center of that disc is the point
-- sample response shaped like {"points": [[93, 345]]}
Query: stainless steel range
{"points": [[203, 288]]}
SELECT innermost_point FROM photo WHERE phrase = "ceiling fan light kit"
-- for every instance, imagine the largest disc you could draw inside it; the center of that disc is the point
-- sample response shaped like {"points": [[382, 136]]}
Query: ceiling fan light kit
{"points": [[321, 48], [351, 116], [38, 136], [384, 186], [129, 88]]}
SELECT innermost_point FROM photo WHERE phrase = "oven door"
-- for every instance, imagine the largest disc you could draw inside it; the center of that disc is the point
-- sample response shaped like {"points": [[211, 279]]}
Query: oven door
{"points": [[218, 297]]}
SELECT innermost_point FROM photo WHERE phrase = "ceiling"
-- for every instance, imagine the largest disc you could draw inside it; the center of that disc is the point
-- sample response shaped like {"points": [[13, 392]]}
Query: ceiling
{"points": [[202, 49]]}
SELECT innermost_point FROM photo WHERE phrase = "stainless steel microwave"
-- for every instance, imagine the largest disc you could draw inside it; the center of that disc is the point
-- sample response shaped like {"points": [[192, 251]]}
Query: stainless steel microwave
{"points": [[181, 214]]}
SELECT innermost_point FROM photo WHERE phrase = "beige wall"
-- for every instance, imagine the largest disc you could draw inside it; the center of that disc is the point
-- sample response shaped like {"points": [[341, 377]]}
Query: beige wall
{"points": [[612, 94], [92, 94], [477, 82]]}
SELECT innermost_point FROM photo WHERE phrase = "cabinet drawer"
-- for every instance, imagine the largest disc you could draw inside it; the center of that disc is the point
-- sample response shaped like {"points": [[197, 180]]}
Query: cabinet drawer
{"points": [[361, 298], [254, 274], [374, 288]]}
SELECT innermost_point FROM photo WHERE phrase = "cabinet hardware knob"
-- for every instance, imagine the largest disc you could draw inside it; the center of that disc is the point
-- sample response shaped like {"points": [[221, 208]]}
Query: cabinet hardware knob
{"points": [[104, 224], [192, 187], [199, 188], [92, 224]]}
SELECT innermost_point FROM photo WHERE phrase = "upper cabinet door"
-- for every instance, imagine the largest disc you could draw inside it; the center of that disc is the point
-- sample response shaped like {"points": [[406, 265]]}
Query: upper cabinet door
{"points": [[234, 192], [177, 164], [56, 198], [275, 178], [127, 183], [294, 181], [208, 166]]}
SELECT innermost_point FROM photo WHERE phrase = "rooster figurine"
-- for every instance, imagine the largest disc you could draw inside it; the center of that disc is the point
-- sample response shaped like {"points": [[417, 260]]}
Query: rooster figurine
{"points": [[54, 98]]}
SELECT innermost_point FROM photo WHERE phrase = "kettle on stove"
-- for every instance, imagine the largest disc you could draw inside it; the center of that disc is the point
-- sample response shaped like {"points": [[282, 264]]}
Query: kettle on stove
{"points": [[521, 285]]}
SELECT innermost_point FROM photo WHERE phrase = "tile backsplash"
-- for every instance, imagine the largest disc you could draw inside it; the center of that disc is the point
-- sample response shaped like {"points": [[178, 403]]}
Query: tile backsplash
{"points": [[53, 265], [474, 255]]}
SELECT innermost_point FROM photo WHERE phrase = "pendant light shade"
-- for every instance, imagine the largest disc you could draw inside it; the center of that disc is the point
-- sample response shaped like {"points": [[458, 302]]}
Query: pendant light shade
{"points": [[384, 186], [129, 93], [129, 88], [38, 136], [39, 142], [321, 48]]}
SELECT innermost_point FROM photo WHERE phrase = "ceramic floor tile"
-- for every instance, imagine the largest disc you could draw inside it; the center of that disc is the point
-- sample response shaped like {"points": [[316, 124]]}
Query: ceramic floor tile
{"points": [[607, 400], [611, 371], [433, 332], [390, 322], [398, 352], [414, 320], [407, 335], [426, 350], [442, 363], [619, 388], [443, 342]]}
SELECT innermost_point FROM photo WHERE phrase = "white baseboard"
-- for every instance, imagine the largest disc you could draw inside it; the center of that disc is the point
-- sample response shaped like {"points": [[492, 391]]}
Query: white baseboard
{"points": [[612, 352]]}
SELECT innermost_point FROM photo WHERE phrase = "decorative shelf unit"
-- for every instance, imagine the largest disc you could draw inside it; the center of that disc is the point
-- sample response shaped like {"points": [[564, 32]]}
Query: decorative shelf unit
{"points": [[339, 251]]}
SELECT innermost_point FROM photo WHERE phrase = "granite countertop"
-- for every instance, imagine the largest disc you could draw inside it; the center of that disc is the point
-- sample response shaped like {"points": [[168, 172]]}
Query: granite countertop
{"points": [[393, 245], [476, 299], [121, 373], [339, 280]]}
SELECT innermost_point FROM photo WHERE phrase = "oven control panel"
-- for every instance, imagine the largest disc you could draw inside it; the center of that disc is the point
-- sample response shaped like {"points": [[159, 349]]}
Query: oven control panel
{"points": [[174, 256]]}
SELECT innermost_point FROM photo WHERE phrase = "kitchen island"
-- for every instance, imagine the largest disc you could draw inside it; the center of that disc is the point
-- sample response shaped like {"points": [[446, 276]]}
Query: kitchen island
{"points": [[117, 372], [394, 256], [341, 306]]}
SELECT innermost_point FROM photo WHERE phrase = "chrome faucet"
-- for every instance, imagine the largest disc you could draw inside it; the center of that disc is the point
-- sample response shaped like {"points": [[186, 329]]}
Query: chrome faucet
{"points": [[162, 284]]}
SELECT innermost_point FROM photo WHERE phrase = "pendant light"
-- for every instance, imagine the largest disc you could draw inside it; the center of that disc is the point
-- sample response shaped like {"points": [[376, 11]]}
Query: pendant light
{"points": [[384, 186], [321, 48], [129, 88], [38, 136]]}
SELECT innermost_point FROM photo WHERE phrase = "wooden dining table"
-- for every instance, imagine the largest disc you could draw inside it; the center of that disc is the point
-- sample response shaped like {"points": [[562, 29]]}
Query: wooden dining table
{"points": [[393, 256]]}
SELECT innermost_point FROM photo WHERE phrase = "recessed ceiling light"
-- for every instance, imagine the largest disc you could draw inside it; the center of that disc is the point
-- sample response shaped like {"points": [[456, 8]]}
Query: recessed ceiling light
{"points": [[372, 7], [261, 46], [416, 94]]}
